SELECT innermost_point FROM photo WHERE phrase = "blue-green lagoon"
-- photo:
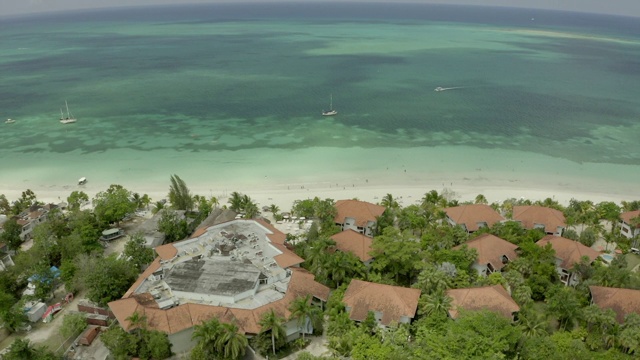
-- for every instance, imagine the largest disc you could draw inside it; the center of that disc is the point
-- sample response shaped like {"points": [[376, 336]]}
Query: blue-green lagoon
{"points": [[230, 97]]}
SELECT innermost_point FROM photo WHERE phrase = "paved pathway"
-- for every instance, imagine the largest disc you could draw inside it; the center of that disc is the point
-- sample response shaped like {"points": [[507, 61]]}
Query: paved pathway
{"points": [[317, 347]]}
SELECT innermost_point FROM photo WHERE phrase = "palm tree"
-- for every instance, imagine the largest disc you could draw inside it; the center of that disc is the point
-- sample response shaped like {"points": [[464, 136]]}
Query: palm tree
{"points": [[389, 202], [145, 200], [235, 201], [251, 210], [271, 322], [137, 199], [274, 209], [432, 280], [159, 205], [481, 199], [179, 194], [214, 202], [207, 333], [435, 304], [301, 308], [532, 324], [21, 349], [137, 322], [230, 342]]}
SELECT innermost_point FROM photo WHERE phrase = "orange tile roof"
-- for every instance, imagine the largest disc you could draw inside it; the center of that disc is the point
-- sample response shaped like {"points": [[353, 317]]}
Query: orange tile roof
{"points": [[166, 251], [471, 215], [278, 237], [361, 211], [494, 298], [567, 250], [392, 301], [124, 308], [490, 249], [355, 243], [304, 283], [288, 258], [629, 215], [198, 232], [531, 215], [185, 316], [155, 265], [621, 301]]}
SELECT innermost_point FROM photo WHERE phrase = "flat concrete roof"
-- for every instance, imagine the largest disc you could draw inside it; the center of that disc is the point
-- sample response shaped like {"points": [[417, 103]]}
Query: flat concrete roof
{"points": [[221, 276]]}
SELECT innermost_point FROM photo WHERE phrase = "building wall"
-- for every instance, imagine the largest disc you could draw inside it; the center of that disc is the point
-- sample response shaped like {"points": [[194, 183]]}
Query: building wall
{"points": [[480, 268], [627, 231]]}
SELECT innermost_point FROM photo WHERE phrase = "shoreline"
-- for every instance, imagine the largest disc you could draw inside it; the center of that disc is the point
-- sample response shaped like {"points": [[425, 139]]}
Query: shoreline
{"points": [[281, 177], [406, 194]]}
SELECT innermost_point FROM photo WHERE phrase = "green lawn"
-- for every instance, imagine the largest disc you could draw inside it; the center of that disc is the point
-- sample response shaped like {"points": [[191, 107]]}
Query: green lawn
{"points": [[633, 260]]}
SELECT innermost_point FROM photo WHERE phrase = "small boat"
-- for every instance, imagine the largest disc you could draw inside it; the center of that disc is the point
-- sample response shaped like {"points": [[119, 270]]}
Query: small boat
{"points": [[331, 111], [69, 119], [445, 89], [82, 181], [9, 121]]}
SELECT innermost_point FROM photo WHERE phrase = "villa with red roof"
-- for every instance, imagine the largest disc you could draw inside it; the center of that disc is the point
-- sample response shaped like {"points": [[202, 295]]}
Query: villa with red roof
{"points": [[356, 243], [493, 298], [622, 301], [388, 303], [360, 216], [627, 227], [568, 253], [473, 217], [551, 221], [234, 271], [493, 253]]}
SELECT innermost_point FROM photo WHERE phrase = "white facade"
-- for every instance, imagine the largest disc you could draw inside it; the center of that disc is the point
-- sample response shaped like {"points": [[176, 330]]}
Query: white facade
{"points": [[628, 231], [350, 223]]}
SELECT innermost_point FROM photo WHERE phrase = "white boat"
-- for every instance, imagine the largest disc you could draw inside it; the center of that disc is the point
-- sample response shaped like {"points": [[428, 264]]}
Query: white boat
{"points": [[82, 181], [9, 121], [331, 111], [444, 89], [69, 118]]}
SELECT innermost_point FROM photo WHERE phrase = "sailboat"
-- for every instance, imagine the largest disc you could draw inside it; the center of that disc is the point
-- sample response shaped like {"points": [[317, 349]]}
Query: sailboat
{"points": [[331, 111], [69, 118]]}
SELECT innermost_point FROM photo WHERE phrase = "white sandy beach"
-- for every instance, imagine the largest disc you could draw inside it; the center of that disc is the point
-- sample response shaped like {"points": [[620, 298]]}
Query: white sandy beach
{"points": [[291, 179]]}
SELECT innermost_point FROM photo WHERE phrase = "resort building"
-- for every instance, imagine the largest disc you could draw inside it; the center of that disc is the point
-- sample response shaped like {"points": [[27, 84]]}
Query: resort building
{"points": [[388, 303], [234, 271], [472, 217], [355, 243], [630, 224], [493, 253], [549, 220], [568, 253], [622, 301], [493, 298], [32, 217], [360, 216]]}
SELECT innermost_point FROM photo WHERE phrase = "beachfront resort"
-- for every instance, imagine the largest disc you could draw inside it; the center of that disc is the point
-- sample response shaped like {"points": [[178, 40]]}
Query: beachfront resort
{"points": [[193, 277]]}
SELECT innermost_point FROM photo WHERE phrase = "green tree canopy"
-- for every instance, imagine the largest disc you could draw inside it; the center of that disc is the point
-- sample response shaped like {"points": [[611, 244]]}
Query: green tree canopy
{"points": [[274, 325], [11, 234], [396, 253], [109, 280], [76, 199], [179, 194], [112, 205], [136, 252]]}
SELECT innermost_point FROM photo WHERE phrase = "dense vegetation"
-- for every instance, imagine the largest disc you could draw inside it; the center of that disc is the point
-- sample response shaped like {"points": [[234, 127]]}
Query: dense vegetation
{"points": [[413, 247]]}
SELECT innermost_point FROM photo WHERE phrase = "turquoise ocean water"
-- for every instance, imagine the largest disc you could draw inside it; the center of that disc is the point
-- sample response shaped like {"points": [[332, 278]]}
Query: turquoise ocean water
{"points": [[231, 95]]}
